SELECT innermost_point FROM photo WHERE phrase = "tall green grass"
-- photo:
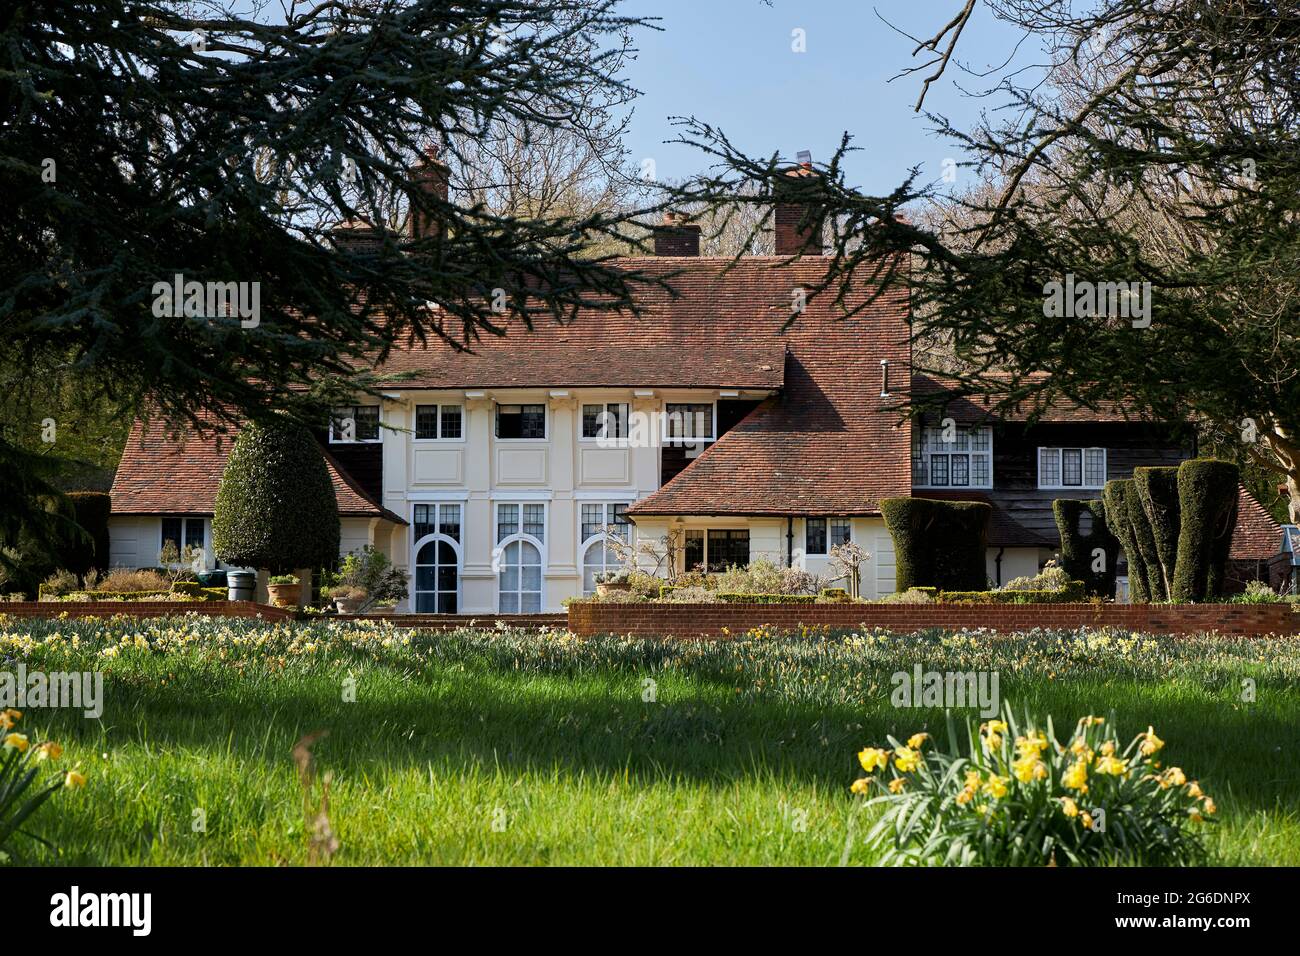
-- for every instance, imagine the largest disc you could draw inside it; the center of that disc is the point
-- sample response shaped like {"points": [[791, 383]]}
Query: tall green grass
{"points": [[506, 747]]}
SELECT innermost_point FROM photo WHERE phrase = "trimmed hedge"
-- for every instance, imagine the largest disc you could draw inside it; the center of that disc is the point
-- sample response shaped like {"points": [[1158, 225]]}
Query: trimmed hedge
{"points": [[739, 597], [275, 506], [1077, 557], [1157, 490], [1120, 499], [1207, 496], [939, 544], [1075, 591], [194, 589]]}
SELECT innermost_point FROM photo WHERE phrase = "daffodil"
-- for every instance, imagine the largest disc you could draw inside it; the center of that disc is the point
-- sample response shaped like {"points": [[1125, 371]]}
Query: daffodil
{"points": [[996, 787], [16, 742], [872, 758], [74, 780], [916, 740], [1069, 807], [1076, 777], [1112, 765], [1194, 790], [1031, 746], [1208, 804], [861, 785], [1150, 742], [897, 784], [49, 751], [1086, 820], [1173, 777], [906, 759]]}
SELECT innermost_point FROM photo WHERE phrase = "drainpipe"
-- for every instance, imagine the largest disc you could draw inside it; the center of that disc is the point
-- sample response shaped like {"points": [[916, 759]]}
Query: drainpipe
{"points": [[997, 565], [789, 541]]}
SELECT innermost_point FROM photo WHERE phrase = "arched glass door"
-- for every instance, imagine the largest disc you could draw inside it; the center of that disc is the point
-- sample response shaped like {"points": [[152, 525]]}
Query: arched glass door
{"points": [[521, 578], [436, 578]]}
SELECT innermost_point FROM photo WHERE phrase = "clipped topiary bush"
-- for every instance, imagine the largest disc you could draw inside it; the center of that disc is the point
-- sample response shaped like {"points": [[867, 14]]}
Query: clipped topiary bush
{"points": [[939, 544], [1207, 498], [275, 506], [1157, 490], [1120, 499], [1079, 555]]}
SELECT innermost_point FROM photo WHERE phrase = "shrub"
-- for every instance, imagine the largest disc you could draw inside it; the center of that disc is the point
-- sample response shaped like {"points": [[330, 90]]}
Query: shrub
{"points": [[1073, 591], [1207, 498], [1157, 491], [1078, 551], [59, 584], [1053, 577], [911, 596], [80, 553], [733, 597], [938, 543], [123, 580], [1118, 497], [691, 594], [1257, 592], [371, 571], [195, 590], [764, 577], [1003, 797], [275, 506]]}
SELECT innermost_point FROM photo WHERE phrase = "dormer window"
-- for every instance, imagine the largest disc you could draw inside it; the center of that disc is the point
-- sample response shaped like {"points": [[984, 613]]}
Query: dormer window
{"points": [[354, 424]]}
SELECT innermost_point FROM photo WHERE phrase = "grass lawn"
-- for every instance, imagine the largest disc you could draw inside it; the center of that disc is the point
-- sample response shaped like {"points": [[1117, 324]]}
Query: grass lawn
{"points": [[503, 747]]}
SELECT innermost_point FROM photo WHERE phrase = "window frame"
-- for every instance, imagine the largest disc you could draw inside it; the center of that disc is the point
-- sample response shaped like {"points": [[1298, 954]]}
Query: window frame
{"points": [[379, 426], [608, 520], [440, 438], [205, 536], [546, 420], [1060, 451], [519, 534], [625, 413], [926, 452], [680, 441]]}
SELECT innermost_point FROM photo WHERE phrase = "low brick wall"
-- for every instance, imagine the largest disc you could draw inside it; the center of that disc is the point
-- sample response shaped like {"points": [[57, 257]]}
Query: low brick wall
{"points": [[144, 609], [587, 619], [448, 622]]}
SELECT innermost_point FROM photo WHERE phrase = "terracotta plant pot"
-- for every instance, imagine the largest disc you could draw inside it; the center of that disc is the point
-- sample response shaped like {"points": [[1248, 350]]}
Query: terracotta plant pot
{"points": [[348, 605], [613, 586], [283, 595]]}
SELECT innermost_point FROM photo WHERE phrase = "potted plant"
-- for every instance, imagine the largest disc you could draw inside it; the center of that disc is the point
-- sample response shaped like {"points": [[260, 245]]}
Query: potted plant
{"points": [[613, 581], [348, 599], [283, 589]]}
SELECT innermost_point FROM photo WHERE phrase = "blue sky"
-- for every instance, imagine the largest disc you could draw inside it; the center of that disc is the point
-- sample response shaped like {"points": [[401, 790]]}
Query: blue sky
{"points": [[730, 62]]}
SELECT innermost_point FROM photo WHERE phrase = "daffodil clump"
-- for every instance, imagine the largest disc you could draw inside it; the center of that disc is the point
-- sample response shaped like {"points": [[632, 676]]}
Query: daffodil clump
{"points": [[1016, 796], [21, 792]]}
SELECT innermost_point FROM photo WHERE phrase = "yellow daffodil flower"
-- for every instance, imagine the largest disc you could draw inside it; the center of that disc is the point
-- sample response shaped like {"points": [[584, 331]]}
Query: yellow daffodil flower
{"points": [[861, 785], [1150, 742], [1194, 790], [16, 742], [74, 780], [1069, 807], [1076, 777], [49, 751], [1112, 765], [1208, 804], [1173, 777], [996, 787], [916, 740], [1086, 820], [906, 759], [897, 784], [872, 758]]}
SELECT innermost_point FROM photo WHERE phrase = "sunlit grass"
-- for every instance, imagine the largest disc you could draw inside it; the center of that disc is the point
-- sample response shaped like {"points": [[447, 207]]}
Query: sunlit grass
{"points": [[505, 747]]}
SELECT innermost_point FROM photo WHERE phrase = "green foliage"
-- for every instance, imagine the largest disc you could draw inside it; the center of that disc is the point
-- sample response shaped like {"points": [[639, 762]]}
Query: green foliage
{"points": [[87, 548], [1257, 592], [1013, 795], [762, 576], [911, 596], [22, 791], [938, 544], [1157, 491], [369, 570], [750, 597], [1073, 591], [196, 590], [275, 506], [1207, 496], [1078, 557], [1120, 499]]}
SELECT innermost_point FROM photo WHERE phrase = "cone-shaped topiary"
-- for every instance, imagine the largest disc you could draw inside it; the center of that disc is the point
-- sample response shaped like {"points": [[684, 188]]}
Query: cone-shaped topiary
{"points": [[1157, 490], [275, 506], [1117, 496], [1079, 552], [938, 544], [1207, 497]]}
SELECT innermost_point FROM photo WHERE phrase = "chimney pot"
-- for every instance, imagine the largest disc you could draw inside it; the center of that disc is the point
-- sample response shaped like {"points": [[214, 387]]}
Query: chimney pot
{"points": [[431, 177], [677, 236], [797, 225]]}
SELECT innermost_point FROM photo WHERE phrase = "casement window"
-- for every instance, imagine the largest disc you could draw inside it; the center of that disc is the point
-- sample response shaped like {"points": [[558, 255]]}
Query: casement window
{"points": [[689, 421], [965, 460], [182, 533], [597, 517], [717, 549], [443, 519], [820, 534], [521, 421], [354, 424], [439, 422], [605, 421], [1071, 467], [509, 521]]}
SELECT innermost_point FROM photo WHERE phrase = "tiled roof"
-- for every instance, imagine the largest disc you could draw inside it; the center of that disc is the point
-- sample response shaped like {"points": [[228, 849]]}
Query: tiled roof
{"points": [[974, 408], [1257, 536], [179, 474], [717, 332], [830, 444]]}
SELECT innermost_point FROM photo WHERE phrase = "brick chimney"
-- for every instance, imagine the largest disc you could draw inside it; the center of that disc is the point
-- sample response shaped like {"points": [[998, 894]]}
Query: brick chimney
{"points": [[431, 176], [797, 224], [676, 236], [356, 236]]}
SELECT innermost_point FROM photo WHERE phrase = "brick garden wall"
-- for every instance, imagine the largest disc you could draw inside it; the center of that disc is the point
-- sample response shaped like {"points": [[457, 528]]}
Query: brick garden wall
{"points": [[587, 619], [143, 609]]}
